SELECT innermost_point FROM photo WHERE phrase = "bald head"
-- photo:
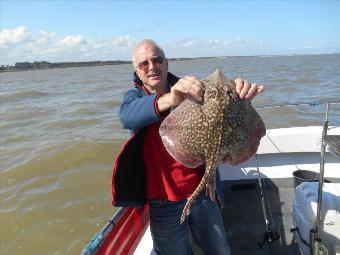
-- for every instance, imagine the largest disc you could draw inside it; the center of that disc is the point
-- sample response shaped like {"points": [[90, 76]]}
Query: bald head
{"points": [[144, 43]]}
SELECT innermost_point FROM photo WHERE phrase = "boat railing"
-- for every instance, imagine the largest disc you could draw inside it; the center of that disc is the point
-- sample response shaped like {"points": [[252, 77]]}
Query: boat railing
{"points": [[311, 104], [303, 113], [121, 234], [98, 239]]}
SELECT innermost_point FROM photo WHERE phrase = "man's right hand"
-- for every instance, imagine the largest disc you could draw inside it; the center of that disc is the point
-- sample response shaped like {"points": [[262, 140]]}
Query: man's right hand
{"points": [[184, 88]]}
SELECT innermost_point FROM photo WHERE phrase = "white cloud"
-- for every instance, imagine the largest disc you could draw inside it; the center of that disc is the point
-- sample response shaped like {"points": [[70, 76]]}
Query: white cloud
{"points": [[72, 40], [13, 36], [242, 41], [212, 42], [18, 45], [122, 41], [44, 37], [304, 47], [187, 43], [96, 44], [193, 47]]}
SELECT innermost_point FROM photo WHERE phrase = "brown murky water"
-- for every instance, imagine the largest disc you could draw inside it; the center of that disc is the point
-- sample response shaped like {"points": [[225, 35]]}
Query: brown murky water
{"points": [[60, 134]]}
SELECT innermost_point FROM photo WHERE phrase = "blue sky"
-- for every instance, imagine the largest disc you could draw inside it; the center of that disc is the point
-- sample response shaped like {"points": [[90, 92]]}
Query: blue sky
{"points": [[108, 30]]}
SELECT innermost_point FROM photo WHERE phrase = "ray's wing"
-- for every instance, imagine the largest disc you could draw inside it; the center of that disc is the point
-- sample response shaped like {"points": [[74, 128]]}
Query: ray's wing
{"points": [[246, 129], [178, 134]]}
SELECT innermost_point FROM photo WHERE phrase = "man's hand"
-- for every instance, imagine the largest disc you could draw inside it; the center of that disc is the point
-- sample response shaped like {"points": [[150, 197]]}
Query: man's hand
{"points": [[247, 90], [184, 88]]}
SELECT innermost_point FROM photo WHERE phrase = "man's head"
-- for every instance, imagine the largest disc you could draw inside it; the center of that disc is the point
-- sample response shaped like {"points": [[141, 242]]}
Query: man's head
{"points": [[151, 65]]}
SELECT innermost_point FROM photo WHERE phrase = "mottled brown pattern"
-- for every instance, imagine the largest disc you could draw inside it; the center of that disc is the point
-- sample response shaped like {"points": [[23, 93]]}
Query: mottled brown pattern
{"points": [[222, 128]]}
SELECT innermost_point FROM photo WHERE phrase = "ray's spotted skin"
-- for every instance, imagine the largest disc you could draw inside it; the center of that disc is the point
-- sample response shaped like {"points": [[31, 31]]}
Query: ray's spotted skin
{"points": [[221, 128]]}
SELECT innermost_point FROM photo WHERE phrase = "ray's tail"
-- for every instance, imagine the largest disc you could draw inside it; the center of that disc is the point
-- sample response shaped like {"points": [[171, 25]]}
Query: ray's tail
{"points": [[206, 179]]}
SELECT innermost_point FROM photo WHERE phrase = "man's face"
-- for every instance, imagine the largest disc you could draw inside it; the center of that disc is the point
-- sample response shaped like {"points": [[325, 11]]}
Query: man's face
{"points": [[152, 67]]}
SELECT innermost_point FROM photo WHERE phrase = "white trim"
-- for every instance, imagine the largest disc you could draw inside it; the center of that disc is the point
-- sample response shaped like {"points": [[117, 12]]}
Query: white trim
{"points": [[284, 150], [294, 139], [145, 246]]}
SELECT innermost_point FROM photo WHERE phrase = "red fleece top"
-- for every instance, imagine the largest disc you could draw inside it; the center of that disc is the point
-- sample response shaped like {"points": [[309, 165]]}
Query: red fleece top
{"points": [[166, 178]]}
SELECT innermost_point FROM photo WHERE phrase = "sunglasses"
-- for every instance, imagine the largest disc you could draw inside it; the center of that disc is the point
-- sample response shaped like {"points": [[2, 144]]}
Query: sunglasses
{"points": [[157, 61]]}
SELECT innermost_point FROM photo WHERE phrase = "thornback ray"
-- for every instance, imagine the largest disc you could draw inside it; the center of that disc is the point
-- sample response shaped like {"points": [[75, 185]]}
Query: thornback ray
{"points": [[222, 128]]}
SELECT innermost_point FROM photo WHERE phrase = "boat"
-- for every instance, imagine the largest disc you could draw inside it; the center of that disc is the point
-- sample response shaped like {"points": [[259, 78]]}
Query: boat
{"points": [[259, 197]]}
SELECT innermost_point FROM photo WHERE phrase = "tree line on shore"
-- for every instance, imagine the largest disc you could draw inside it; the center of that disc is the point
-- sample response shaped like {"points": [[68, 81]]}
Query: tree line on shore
{"points": [[21, 66], [38, 65]]}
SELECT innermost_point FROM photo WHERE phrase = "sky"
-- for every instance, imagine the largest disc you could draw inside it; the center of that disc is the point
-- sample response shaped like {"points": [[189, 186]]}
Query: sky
{"points": [[59, 31]]}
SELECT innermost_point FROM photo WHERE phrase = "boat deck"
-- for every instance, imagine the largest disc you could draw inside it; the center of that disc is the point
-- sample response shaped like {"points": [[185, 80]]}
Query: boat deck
{"points": [[244, 218]]}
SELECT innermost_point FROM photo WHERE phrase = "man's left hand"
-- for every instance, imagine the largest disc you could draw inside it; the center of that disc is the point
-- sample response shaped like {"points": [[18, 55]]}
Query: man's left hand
{"points": [[247, 90]]}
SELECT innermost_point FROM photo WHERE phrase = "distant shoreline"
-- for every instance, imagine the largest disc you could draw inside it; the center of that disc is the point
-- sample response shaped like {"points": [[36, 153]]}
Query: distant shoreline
{"points": [[43, 65]]}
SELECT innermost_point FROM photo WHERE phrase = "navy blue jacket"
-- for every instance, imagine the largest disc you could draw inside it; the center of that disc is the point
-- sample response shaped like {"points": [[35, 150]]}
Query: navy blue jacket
{"points": [[137, 111]]}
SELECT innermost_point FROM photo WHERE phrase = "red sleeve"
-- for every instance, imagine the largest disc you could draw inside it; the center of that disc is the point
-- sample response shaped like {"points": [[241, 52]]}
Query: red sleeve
{"points": [[160, 115]]}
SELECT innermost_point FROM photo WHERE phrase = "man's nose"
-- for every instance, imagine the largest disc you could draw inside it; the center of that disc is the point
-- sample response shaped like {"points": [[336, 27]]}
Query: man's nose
{"points": [[151, 64]]}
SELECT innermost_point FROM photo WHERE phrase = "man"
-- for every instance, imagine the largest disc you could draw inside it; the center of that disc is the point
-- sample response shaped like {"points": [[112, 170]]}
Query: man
{"points": [[145, 173]]}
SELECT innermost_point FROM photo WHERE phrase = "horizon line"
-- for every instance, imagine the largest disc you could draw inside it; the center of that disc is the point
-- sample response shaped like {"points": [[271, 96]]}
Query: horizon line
{"points": [[176, 58]]}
